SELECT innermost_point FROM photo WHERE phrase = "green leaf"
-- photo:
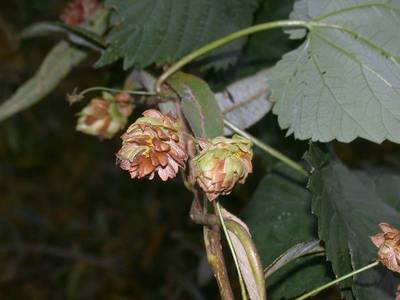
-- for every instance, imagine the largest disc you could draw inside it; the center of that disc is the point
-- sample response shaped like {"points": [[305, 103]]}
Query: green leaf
{"points": [[279, 218], [61, 59], [349, 210], [388, 187], [248, 258], [297, 251], [162, 31], [198, 105], [57, 64], [343, 81]]}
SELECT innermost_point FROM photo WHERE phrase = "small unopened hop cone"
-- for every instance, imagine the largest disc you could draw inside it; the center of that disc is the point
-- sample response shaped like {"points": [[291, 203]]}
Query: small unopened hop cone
{"points": [[153, 145], [105, 116], [221, 164], [388, 243]]}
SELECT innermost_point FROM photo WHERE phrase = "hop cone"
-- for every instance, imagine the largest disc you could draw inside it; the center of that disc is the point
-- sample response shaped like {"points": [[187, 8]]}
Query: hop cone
{"points": [[104, 117], [152, 145], [222, 163], [388, 242]]}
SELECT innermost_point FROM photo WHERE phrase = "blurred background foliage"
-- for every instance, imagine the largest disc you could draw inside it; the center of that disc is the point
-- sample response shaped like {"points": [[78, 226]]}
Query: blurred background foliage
{"points": [[74, 226]]}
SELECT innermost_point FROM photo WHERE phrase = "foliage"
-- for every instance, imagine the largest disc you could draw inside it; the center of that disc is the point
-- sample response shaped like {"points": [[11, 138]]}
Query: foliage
{"points": [[341, 83], [339, 194], [282, 200], [158, 31], [71, 216]]}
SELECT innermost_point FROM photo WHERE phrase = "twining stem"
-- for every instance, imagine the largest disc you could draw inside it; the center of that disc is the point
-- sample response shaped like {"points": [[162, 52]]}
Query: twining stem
{"points": [[275, 153], [329, 284], [101, 88], [234, 36], [230, 244]]}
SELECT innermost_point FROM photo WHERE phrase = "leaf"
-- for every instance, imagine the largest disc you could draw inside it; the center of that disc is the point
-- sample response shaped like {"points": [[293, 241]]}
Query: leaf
{"points": [[246, 101], [61, 59], [349, 210], [57, 64], [162, 31], [297, 251], [279, 218], [343, 81], [198, 105], [248, 258], [388, 187]]}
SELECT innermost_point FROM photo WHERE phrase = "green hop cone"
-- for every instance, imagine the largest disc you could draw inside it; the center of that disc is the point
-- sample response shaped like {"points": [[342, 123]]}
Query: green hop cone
{"points": [[105, 116], [222, 163]]}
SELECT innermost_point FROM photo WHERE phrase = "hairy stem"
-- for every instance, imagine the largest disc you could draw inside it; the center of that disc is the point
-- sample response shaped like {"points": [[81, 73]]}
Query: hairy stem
{"points": [[329, 284], [275, 153], [235, 259]]}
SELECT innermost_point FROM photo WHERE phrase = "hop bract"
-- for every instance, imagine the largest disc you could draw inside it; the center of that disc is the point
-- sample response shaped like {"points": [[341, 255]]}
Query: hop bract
{"points": [[222, 163], [105, 116], [388, 242], [153, 145]]}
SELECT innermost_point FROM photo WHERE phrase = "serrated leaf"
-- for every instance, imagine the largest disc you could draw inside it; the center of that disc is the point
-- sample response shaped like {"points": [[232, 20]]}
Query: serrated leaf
{"points": [[162, 31], [279, 217], [349, 210], [246, 101], [343, 81], [61, 59], [198, 105]]}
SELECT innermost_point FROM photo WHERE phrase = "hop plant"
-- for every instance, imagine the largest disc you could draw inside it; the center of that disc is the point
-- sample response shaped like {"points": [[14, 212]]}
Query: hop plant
{"points": [[151, 145], [222, 163], [105, 116], [388, 243]]}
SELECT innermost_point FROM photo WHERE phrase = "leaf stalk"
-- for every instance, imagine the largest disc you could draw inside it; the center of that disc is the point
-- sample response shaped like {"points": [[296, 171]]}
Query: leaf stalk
{"points": [[329, 284], [263, 146], [234, 36]]}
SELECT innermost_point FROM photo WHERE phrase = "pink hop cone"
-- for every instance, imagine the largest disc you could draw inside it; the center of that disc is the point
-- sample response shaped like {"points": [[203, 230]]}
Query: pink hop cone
{"points": [[153, 145], [388, 243], [222, 163]]}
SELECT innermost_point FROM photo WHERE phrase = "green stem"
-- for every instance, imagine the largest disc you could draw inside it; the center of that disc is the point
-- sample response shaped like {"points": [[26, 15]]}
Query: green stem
{"points": [[230, 244], [329, 284], [275, 153], [101, 88], [234, 36]]}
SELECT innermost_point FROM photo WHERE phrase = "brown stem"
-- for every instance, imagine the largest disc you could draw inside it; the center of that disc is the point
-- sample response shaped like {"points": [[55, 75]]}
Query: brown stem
{"points": [[212, 241], [211, 234]]}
